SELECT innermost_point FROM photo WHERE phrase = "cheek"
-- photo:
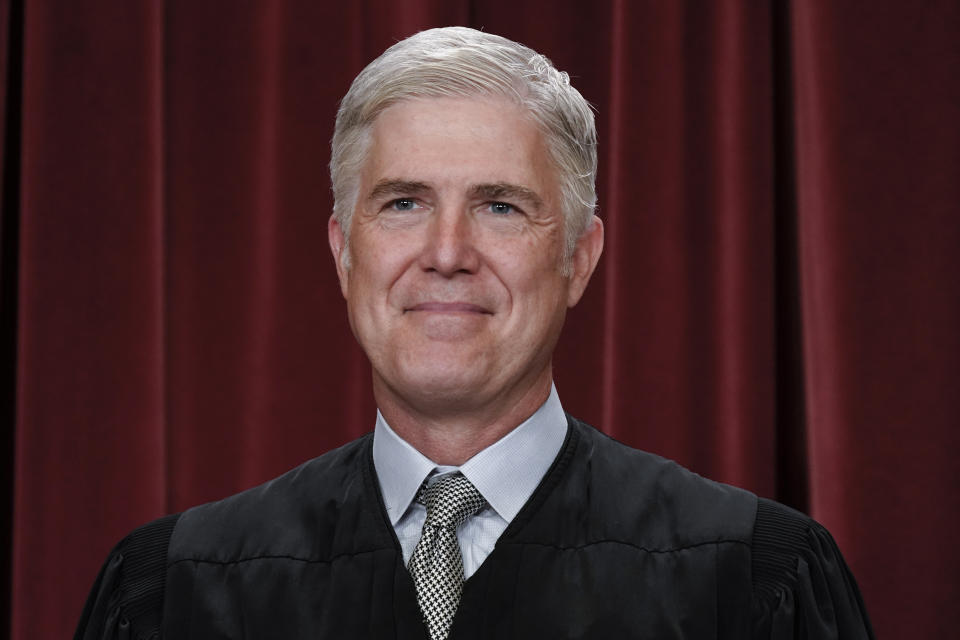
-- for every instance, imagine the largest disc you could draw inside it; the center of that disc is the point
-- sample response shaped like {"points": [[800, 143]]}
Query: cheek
{"points": [[379, 269], [532, 272]]}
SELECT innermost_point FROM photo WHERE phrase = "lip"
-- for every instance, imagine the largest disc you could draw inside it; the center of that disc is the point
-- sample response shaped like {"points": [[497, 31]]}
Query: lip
{"points": [[449, 307]]}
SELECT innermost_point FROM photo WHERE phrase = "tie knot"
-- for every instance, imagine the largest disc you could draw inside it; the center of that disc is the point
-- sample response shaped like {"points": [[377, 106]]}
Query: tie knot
{"points": [[450, 500]]}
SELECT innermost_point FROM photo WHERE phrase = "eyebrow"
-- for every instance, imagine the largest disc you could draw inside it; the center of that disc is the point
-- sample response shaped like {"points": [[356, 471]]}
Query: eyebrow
{"points": [[386, 188], [506, 191]]}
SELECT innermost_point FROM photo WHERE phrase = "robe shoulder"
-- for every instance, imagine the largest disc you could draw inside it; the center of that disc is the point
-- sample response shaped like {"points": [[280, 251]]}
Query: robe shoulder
{"points": [[802, 587], [127, 597], [617, 494], [268, 520], [798, 585], [326, 507]]}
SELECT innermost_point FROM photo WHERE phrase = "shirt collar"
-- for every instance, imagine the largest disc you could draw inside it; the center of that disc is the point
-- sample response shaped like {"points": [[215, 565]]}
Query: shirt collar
{"points": [[506, 473]]}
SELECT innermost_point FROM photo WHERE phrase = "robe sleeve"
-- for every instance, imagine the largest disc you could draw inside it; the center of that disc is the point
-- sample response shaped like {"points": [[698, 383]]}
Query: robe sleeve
{"points": [[126, 601], [803, 589]]}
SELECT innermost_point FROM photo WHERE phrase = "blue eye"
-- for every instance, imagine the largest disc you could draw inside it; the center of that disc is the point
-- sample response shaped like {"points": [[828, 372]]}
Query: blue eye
{"points": [[501, 208], [403, 204]]}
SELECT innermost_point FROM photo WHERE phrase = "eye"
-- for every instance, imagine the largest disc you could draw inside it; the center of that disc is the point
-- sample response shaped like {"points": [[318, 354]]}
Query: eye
{"points": [[403, 204], [501, 208]]}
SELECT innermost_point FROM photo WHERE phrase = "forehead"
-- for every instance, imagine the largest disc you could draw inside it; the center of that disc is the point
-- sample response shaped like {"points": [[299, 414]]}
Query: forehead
{"points": [[445, 142]]}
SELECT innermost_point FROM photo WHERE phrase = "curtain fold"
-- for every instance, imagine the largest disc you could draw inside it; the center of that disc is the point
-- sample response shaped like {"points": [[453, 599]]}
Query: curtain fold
{"points": [[878, 155], [777, 306], [11, 55], [90, 332], [689, 367]]}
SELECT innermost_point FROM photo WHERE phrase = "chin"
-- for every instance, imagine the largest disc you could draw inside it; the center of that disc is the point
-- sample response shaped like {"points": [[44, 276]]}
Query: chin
{"points": [[438, 383]]}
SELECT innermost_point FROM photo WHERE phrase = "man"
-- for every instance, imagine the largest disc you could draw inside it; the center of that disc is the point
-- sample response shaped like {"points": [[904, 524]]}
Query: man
{"points": [[463, 172]]}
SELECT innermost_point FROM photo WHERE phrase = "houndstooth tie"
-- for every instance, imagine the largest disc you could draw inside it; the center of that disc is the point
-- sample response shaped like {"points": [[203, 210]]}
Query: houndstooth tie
{"points": [[436, 564]]}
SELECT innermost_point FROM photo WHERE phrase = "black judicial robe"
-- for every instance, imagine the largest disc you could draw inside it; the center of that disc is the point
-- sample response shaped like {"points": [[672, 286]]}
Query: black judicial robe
{"points": [[614, 543]]}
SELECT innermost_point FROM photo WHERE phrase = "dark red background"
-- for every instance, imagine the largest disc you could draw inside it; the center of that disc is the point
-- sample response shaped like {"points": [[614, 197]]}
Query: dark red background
{"points": [[778, 305]]}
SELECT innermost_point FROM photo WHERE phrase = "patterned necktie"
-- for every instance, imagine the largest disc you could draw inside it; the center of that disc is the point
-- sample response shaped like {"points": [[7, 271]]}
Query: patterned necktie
{"points": [[436, 564]]}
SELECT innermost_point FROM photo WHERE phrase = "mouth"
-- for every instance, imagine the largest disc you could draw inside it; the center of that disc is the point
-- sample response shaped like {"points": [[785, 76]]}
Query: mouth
{"points": [[449, 307]]}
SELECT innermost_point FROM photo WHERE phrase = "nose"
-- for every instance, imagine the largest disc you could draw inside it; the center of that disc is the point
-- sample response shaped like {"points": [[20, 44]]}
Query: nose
{"points": [[450, 243]]}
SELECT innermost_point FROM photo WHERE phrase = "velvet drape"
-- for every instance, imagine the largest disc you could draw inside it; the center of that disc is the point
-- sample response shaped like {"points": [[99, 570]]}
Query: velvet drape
{"points": [[778, 305]]}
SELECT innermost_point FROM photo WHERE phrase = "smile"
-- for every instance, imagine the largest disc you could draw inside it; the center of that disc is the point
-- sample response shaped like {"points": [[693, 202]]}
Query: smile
{"points": [[448, 307]]}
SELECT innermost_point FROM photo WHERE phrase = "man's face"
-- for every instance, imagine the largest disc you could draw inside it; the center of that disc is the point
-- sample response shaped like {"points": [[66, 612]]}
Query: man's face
{"points": [[454, 288]]}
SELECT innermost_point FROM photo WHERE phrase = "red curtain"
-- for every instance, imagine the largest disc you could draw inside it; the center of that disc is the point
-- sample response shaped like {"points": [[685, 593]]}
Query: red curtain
{"points": [[778, 305]]}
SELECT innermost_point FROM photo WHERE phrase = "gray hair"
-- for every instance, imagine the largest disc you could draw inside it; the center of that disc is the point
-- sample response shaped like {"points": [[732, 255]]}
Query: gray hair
{"points": [[463, 62]]}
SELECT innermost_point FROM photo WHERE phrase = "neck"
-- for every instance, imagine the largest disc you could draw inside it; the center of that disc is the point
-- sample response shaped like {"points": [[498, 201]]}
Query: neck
{"points": [[449, 436]]}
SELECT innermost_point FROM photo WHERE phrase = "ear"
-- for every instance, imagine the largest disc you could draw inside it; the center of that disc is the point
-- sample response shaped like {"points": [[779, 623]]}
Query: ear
{"points": [[337, 248], [584, 260]]}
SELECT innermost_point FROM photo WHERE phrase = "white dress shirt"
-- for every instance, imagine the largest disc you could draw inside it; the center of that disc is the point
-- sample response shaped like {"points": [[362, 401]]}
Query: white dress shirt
{"points": [[506, 474]]}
